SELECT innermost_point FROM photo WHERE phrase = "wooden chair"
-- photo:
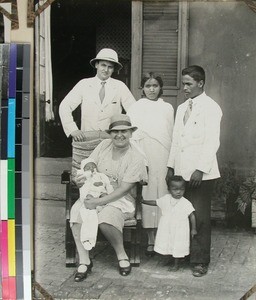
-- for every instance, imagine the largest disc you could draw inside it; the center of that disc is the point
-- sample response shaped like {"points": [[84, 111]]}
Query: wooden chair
{"points": [[132, 227]]}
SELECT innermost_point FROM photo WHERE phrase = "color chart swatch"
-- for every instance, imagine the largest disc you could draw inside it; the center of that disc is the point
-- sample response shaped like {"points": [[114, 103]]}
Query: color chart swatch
{"points": [[15, 223]]}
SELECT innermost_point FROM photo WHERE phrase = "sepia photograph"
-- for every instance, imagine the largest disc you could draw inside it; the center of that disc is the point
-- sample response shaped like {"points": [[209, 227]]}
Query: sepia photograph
{"points": [[144, 114]]}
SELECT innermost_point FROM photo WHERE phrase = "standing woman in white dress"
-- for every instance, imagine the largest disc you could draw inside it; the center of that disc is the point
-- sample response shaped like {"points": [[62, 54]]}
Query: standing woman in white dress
{"points": [[154, 119]]}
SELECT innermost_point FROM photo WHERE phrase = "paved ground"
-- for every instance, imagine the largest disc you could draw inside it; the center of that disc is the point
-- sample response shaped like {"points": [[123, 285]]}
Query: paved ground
{"points": [[231, 274]]}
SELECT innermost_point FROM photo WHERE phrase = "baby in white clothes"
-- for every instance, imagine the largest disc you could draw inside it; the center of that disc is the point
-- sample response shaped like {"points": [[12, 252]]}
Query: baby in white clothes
{"points": [[95, 185]]}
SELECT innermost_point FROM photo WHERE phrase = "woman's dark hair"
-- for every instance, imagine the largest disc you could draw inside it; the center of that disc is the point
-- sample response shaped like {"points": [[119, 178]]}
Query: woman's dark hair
{"points": [[175, 178], [152, 75], [196, 72]]}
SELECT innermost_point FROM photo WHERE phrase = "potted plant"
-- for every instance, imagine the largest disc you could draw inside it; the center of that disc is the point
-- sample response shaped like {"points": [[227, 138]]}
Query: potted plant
{"points": [[247, 197], [226, 189]]}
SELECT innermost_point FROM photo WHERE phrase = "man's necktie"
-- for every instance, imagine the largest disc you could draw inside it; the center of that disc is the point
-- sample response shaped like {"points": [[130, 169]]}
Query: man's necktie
{"points": [[188, 111], [102, 91]]}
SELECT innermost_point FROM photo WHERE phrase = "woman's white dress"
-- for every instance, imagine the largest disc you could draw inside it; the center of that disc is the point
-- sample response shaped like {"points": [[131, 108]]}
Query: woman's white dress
{"points": [[154, 120], [173, 233]]}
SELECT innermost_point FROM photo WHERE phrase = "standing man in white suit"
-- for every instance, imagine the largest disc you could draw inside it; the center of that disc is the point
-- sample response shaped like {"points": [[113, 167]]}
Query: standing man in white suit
{"points": [[196, 139], [100, 98]]}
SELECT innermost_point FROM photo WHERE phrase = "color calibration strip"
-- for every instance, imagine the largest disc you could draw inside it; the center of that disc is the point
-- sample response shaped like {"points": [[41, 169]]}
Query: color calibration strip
{"points": [[15, 243]]}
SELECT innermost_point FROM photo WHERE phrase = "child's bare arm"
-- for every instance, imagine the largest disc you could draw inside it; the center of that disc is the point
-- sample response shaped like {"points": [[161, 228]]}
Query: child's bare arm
{"points": [[151, 202], [192, 219]]}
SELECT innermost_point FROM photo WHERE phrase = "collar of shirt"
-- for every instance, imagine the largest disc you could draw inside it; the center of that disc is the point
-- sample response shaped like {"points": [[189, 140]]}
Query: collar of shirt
{"points": [[174, 201], [99, 81], [198, 99]]}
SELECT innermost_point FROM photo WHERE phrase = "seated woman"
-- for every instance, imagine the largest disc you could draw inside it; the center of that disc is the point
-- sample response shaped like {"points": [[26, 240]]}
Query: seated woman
{"points": [[124, 165]]}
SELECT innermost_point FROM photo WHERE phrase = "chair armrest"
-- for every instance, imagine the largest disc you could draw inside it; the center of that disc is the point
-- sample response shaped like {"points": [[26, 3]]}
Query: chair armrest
{"points": [[65, 177], [138, 213]]}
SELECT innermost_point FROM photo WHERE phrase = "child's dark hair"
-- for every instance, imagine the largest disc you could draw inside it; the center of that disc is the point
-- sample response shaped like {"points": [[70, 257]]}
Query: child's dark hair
{"points": [[196, 72], [152, 75], [175, 178]]}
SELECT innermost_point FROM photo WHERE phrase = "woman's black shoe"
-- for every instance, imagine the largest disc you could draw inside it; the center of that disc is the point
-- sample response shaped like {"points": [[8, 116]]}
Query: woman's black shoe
{"points": [[150, 253], [124, 271], [80, 276]]}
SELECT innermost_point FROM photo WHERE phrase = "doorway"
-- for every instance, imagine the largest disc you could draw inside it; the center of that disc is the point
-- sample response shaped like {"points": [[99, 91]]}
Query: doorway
{"points": [[79, 29]]}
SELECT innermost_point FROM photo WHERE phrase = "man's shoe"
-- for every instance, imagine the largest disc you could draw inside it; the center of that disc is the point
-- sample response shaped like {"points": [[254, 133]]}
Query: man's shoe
{"points": [[200, 270]]}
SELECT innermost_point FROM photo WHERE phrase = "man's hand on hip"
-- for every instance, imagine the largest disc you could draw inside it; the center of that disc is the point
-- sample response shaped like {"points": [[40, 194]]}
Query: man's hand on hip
{"points": [[196, 179], [78, 136]]}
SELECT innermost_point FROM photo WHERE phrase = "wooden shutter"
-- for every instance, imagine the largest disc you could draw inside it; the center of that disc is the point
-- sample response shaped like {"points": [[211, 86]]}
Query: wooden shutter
{"points": [[159, 44], [160, 40]]}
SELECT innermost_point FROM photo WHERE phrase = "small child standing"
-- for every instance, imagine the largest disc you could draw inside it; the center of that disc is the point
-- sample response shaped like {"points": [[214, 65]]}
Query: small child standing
{"points": [[173, 233]]}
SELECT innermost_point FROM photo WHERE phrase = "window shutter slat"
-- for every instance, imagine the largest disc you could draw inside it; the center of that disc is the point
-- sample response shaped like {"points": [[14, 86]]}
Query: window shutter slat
{"points": [[160, 40]]}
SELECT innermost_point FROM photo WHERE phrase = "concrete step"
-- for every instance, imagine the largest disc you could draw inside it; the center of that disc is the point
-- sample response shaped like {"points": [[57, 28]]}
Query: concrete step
{"points": [[48, 178], [49, 212], [51, 166]]}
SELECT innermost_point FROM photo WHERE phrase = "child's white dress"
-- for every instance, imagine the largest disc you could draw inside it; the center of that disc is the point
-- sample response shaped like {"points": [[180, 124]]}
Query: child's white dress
{"points": [[173, 233]]}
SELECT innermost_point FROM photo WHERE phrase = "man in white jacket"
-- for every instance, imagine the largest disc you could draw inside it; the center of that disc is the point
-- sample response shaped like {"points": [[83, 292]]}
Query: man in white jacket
{"points": [[100, 98], [196, 139]]}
